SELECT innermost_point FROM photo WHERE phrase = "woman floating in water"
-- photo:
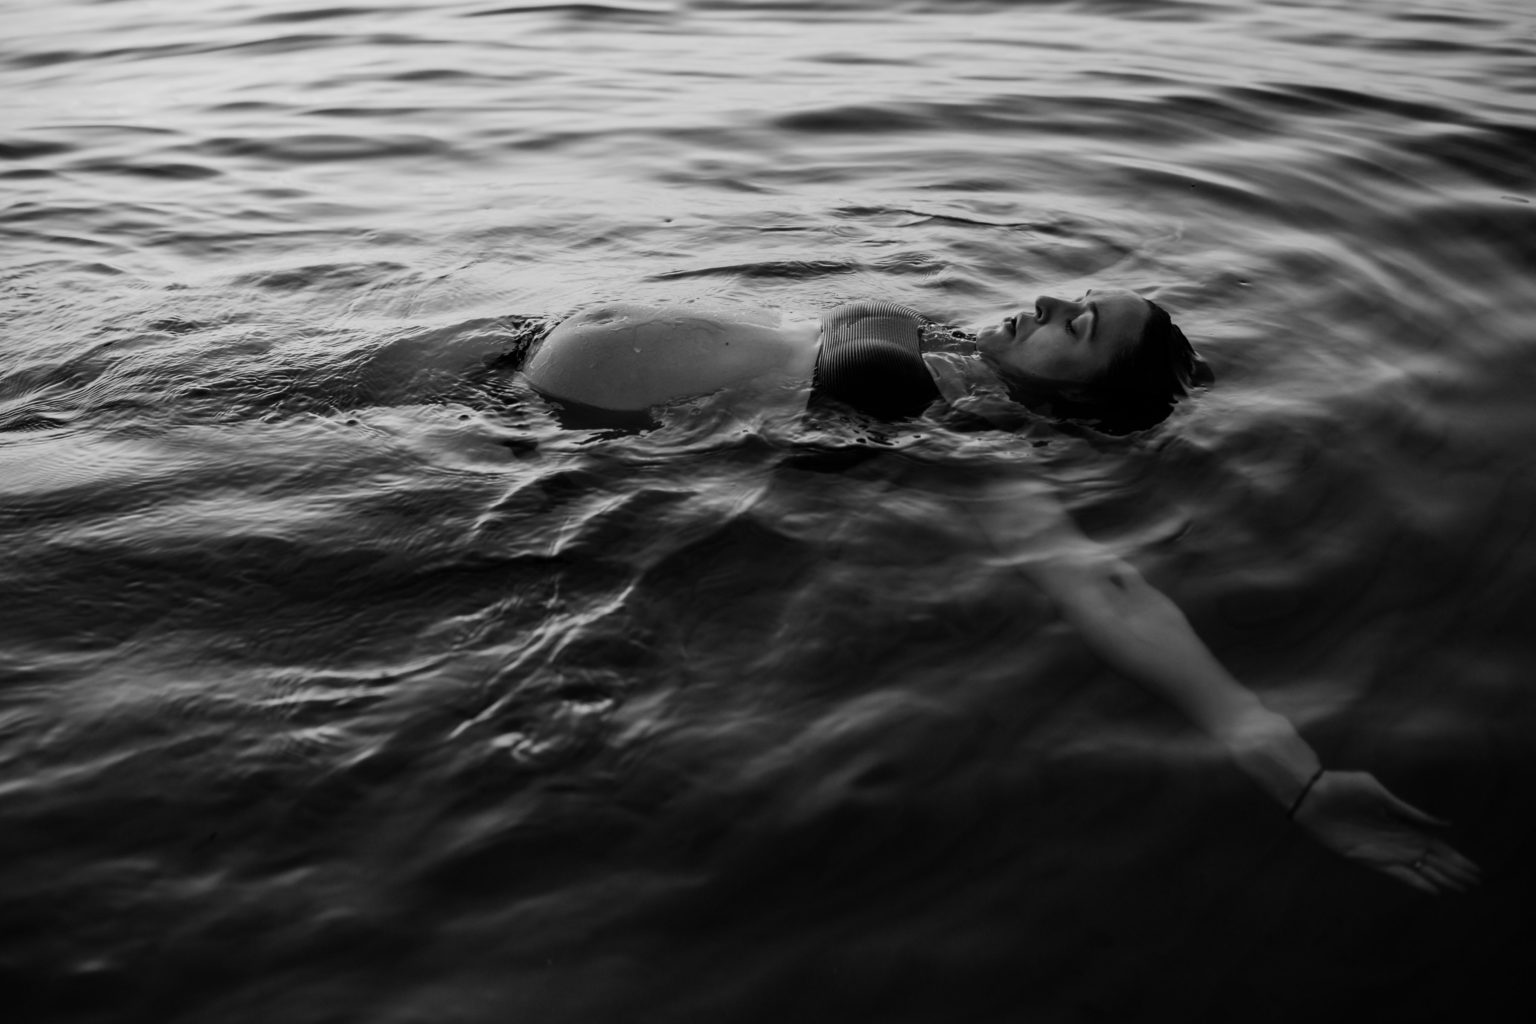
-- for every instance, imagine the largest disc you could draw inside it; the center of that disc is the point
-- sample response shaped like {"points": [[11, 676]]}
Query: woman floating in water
{"points": [[1112, 359]]}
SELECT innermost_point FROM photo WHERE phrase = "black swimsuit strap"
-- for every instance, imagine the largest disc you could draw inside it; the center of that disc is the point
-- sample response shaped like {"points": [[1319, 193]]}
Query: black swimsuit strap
{"points": [[871, 358]]}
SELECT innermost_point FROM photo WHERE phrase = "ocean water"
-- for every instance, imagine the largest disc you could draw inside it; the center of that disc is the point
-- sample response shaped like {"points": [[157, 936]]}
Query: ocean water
{"points": [[340, 682]]}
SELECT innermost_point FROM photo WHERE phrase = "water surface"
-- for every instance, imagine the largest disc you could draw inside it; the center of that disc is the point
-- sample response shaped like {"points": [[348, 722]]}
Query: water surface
{"points": [[339, 681]]}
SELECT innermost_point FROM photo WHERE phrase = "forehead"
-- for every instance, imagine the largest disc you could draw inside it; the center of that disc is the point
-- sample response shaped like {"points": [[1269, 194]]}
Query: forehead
{"points": [[1121, 313]]}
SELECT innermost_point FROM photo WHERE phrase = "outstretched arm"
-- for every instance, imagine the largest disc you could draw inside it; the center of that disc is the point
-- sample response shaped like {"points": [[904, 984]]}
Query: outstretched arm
{"points": [[1138, 631]]}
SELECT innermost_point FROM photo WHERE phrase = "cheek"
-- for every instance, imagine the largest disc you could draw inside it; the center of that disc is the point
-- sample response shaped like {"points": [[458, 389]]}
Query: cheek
{"points": [[1057, 358], [1041, 356]]}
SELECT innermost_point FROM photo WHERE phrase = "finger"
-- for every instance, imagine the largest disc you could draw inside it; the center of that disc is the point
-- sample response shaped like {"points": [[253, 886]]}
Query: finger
{"points": [[1457, 866], [1442, 878], [1404, 809], [1403, 873], [1463, 863], [1449, 857]]}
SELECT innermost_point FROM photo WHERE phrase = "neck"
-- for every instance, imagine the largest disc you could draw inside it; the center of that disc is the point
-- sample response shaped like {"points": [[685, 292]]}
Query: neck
{"points": [[946, 338]]}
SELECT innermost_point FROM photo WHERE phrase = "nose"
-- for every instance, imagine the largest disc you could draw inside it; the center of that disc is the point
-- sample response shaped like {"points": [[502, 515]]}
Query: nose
{"points": [[1046, 307]]}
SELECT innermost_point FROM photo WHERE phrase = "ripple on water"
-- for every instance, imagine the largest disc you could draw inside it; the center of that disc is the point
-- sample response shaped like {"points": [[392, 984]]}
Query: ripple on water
{"points": [[319, 147], [341, 680]]}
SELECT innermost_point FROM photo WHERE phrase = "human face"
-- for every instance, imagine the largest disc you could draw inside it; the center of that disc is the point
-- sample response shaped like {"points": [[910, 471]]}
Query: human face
{"points": [[1069, 342]]}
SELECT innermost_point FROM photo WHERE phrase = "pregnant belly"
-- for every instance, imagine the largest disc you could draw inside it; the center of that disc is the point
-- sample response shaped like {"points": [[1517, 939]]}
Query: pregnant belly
{"points": [[627, 358]]}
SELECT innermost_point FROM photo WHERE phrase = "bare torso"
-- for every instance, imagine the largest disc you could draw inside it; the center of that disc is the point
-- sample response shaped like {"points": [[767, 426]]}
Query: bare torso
{"points": [[629, 357]]}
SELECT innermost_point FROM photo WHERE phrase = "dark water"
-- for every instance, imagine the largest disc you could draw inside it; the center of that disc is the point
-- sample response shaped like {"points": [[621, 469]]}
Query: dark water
{"points": [[339, 683]]}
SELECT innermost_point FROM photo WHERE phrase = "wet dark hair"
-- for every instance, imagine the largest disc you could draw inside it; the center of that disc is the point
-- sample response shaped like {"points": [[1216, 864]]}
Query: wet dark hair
{"points": [[1137, 391]]}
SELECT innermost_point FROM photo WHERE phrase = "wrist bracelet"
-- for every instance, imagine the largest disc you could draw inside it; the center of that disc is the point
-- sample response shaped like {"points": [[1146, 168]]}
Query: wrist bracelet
{"points": [[1303, 794]]}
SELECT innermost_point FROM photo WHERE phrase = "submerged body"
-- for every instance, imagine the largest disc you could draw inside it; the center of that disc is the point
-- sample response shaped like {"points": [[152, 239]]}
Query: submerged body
{"points": [[627, 359]]}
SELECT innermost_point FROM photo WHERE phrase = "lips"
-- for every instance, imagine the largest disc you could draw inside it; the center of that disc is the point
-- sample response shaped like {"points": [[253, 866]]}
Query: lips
{"points": [[1020, 326], [1001, 335]]}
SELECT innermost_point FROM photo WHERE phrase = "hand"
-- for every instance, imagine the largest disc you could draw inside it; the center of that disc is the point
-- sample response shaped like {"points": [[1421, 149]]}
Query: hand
{"points": [[1354, 815]]}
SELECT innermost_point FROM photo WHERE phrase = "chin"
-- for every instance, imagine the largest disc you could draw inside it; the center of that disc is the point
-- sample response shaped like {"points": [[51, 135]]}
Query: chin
{"points": [[987, 337]]}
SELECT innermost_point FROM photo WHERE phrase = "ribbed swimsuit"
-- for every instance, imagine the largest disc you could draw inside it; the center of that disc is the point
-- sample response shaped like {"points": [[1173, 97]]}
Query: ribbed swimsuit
{"points": [[871, 359]]}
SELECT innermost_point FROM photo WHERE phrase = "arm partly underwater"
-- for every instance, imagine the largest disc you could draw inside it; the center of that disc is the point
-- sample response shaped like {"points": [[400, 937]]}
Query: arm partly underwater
{"points": [[1140, 632]]}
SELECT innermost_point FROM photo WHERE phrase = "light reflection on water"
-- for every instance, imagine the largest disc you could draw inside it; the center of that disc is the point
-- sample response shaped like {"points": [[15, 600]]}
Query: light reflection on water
{"points": [[343, 683]]}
